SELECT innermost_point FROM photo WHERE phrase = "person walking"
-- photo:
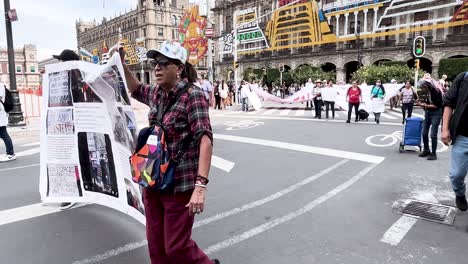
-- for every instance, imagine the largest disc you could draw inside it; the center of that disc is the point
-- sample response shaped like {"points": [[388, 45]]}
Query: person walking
{"points": [[309, 86], [330, 102], [217, 96], [207, 88], [455, 132], [378, 100], [317, 95], [10, 152], [408, 96], [244, 96], [170, 213], [224, 93], [354, 98], [432, 104]]}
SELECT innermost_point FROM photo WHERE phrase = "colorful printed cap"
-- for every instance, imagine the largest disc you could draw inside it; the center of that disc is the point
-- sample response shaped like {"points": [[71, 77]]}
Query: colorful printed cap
{"points": [[170, 49]]}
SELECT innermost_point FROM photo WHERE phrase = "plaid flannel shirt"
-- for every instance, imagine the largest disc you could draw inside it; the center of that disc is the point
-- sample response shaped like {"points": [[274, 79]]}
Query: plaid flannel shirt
{"points": [[189, 114]]}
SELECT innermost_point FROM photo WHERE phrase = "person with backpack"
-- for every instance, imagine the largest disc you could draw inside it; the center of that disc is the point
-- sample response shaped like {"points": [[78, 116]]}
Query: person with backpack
{"points": [[432, 103], [378, 100], [408, 96], [6, 105], [455, 132], [180, 111], [354, 99]]}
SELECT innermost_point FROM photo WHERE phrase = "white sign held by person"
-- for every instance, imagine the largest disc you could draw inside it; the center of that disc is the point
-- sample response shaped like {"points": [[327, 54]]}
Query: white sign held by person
{"points": [[87, 137]]}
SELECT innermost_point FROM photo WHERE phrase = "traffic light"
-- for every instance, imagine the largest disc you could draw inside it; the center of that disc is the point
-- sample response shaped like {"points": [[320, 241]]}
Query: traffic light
{"points": [[416, 63], [419, 46], [236, 64]]}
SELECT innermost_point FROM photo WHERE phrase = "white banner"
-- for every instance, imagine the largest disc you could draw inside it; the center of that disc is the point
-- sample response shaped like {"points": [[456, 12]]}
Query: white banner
{"points": [[87, 137]]}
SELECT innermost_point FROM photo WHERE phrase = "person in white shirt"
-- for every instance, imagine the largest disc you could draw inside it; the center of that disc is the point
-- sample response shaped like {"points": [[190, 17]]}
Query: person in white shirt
{"points": [[207, 88], [10, 153], [245, 89]]}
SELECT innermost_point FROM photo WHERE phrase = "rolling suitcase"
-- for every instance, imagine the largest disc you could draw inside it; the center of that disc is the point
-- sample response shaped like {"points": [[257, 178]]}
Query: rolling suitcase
{"points": [[363, 115], [412, 133]]}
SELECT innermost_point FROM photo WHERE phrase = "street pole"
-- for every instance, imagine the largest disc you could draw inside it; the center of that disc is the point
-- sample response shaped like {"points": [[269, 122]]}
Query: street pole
{"points": [[416, 71], [210, 45], [16, 115], [235, 66]]}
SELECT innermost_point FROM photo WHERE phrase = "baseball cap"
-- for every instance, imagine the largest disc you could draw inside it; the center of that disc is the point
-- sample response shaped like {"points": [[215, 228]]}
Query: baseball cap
{"points": [[170, 49], [67, 55]]}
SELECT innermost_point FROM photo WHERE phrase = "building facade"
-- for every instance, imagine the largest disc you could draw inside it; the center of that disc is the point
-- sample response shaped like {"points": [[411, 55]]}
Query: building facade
{"points": [[338, 35], [26, 67], [153, 20]]}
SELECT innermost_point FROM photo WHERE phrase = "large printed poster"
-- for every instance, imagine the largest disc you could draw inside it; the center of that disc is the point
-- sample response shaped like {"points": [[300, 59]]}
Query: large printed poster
{"points": [[87, 137]]}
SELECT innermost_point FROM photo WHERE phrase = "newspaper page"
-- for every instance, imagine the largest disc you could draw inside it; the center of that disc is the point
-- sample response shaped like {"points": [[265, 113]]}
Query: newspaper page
{"points": [[88, 135]]}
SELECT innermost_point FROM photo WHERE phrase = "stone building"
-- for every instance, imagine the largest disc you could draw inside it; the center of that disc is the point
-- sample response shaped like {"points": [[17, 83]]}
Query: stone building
{"points": [[338, 35], [26, 67], [153, 20]]}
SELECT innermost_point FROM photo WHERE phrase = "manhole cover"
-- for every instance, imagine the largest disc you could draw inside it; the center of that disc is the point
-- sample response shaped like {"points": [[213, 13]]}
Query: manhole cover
{"points": [[429, 211]]}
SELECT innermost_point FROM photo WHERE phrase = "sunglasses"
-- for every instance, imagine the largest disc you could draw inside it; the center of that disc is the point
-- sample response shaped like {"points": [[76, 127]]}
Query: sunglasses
{"points": [[163, 64]]}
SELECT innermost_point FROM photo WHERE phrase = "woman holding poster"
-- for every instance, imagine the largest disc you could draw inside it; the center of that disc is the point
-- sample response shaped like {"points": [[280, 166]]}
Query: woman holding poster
{"points": [[170, 212], [378, 100]]}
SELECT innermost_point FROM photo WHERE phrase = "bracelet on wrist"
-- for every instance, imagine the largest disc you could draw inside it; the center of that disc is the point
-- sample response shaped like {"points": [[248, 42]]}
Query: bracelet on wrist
{"points": [[201, 186], [202, 179]]}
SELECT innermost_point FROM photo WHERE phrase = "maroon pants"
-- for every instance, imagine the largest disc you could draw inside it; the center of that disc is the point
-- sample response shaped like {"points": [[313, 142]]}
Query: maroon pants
{"points": [[169, 229]]}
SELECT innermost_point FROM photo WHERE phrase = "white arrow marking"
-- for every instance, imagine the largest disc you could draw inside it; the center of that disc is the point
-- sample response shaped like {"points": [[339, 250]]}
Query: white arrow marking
{"points": [[222, 164]]}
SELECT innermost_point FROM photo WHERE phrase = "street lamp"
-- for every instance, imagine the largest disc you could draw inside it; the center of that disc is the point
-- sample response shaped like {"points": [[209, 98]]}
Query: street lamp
{"points": [[15, 116], [358, 41]]}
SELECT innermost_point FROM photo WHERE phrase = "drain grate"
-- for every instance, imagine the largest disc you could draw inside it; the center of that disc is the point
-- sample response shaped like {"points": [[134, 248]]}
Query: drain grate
{"points": [[428, 211]]}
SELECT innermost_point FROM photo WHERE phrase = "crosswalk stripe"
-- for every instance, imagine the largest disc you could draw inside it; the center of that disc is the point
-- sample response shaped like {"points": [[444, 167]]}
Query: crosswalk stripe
{"points": [[388, 116], [300, 112], [285, 112], [28, 152], [269, 112], [31, 144]]}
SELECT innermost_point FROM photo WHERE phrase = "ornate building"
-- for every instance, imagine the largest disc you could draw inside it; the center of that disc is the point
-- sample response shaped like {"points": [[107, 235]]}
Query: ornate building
{"points": [[26, 67], [338, 35], [152, 20]]}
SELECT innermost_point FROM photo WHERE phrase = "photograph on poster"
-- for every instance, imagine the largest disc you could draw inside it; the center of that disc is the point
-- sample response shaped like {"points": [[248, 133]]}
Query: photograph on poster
{"points": [[97, 163], [60, 122], [131, 128], [82, 92], [63, 181], [120, 129], [133, 196], [59, 89], [115, 80]]}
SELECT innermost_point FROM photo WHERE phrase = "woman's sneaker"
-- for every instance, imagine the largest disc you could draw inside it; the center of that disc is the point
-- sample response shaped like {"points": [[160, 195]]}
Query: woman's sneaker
{"points": [[7, 158], [461, 203]]}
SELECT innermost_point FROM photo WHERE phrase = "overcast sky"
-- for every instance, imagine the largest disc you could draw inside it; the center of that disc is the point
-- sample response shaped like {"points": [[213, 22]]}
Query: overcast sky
{"points": [[50, 24]]}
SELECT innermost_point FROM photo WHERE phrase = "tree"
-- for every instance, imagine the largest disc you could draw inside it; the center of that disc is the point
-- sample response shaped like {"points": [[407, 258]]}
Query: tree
{"points": [[452, 67], [370, 74], [302, 74]]}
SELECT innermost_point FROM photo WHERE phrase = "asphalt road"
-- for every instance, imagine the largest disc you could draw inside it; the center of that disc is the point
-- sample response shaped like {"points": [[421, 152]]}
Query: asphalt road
{"points": [[301, 191]]}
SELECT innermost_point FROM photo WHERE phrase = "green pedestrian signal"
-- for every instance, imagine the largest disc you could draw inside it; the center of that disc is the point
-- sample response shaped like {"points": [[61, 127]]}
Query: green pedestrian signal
{"points": [[419, 47]]}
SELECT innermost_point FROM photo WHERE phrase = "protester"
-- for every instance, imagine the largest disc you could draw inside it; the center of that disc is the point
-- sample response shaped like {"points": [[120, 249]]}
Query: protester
{"points": [[217, 96], [317, 95], [432, 104], [309, 86], [455, 131], [354, 98], [10, 153], [394, 100], [245, 89], [378, 100], [170, 214], [408, 96], [330, 103]]}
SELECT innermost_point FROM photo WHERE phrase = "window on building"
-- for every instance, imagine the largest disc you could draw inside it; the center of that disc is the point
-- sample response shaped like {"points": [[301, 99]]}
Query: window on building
{"points": [[18, 68], [174, 3], [421, 16], [32, 68], [228, 25], [144, 32], [175, 34], [160, 32], [174, 21]]}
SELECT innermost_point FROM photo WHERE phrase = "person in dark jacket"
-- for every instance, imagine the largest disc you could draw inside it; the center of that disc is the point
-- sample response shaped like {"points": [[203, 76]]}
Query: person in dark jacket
{"points": [[455, 131], [432, 104]]}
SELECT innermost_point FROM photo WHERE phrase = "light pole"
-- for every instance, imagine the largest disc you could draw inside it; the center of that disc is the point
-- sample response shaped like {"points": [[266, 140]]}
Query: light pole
{"points": [[281, 70], [15, 116], [358, 40]]}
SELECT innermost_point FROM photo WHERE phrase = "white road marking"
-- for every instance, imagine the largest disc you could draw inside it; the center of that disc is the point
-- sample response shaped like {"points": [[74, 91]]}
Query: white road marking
{"points": [[222, 164], [26, 212], [302, 119], [300, 112], [269, 112], [271, 224], [398, 230], [303, 148], [284, 112], [28, 152], [31, 144], [402, 226], [113, 252], [269, 198], [388, 116], [418, 115], [20, 167]]}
